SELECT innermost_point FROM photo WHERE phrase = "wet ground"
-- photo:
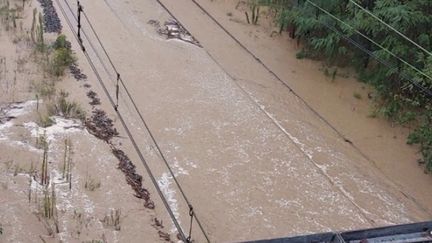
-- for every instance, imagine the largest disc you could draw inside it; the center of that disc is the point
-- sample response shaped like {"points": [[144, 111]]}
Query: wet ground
{"points": [[254, 160]]}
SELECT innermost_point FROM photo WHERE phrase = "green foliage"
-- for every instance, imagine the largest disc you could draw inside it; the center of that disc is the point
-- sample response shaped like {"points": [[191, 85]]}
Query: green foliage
{"points": [[397, 82], [422, 136], [61, 106], [68, 109], [61, 42], [46, 89], [61, 59], [39, 34], [255, 12]]}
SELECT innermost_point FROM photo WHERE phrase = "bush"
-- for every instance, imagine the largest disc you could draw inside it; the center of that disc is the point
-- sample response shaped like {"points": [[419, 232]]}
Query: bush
{"points": [[62, 57], [46, 89], [64, 108], [68, 109], [399, 86], [422, 136], [61, 42]]}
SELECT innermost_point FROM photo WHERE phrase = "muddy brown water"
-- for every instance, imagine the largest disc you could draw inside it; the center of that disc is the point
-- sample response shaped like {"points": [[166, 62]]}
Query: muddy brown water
{"points": [[252, 158]]}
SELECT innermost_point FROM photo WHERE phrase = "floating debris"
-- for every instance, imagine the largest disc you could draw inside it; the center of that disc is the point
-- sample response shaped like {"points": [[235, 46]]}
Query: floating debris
{"points": [[51, 20], [101, 126], [132, 178], [76, 72], [4, 116], [164, 236], [94, 100], [172, 29]]}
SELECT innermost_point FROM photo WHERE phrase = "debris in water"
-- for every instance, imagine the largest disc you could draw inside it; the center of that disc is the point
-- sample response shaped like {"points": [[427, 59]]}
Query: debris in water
{"points": [[4, 117], [101, 126], [76, 72], [93, 97], [174, 30], [132, 178], [164, 236]]}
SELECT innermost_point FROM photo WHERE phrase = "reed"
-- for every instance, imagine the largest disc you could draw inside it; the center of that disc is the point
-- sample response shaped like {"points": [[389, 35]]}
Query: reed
{"points": [[112, 219]]}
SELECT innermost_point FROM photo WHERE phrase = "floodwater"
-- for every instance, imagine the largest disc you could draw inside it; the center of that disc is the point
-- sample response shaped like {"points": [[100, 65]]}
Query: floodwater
{"points": [[252, 158]]}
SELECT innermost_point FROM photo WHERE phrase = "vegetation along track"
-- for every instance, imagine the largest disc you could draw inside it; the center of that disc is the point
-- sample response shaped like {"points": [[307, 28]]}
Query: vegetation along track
{"points": [[262, 109], [102, 127], [99, 124]]}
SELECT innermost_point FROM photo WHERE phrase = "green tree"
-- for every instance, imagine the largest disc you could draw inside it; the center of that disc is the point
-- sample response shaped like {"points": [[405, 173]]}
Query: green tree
{"points": [[336, 31]]}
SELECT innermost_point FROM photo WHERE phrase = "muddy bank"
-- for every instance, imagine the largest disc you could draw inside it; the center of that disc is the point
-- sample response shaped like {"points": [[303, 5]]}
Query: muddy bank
{"points": [[58, 181]]}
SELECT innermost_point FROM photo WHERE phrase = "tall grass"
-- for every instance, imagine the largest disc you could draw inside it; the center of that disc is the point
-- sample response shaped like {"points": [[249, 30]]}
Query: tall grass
{"points": [[61, 57], [67, 162], [112, 219]]}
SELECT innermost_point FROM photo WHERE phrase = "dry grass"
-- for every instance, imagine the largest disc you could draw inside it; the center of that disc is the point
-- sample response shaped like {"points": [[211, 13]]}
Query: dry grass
{"points": [[92, 184], [112, 220]]}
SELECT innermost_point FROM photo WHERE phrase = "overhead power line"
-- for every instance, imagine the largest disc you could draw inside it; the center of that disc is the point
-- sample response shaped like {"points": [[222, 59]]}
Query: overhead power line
{"points": [[392, 28], [92, 65], [158, 149], [124, 126]]}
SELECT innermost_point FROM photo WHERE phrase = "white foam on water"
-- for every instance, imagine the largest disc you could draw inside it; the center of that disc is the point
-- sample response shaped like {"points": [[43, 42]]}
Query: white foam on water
{"points": [[61, 126], [14, 110], [165, 182]]}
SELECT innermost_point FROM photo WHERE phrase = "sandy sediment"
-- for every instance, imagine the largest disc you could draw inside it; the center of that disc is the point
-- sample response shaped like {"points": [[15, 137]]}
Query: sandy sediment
{"points": [[84, 180]]}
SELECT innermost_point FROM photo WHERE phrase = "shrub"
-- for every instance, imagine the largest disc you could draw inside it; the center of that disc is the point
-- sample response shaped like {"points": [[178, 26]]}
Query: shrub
{"points": [[61, 42], [422, 136], [68, 109], [61, 59]]}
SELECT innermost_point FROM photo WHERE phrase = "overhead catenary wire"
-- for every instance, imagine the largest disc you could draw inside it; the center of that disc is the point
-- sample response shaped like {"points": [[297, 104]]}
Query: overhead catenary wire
{"points": [[273, 119], [152, 177], [88, 57], [116, 82], [120, 80], [392, 28], [88, 38], [429, 92], [158, 149]]}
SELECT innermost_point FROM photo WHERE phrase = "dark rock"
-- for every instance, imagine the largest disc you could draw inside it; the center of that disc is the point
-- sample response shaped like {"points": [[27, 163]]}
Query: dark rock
{"points": [[52, 22]]}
